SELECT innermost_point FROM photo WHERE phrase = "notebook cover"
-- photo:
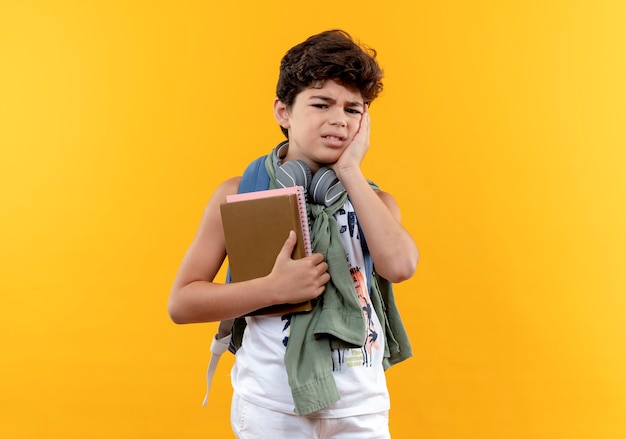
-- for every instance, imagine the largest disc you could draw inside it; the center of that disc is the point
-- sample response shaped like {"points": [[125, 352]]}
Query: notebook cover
{"points": [[255, 230]]}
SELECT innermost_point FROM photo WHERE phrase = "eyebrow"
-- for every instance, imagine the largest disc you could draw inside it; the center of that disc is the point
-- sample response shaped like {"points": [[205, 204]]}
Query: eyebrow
{"points": [[333, 101]]}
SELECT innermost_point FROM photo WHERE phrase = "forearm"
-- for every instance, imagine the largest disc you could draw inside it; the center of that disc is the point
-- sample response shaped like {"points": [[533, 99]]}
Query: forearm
{"points": [[196, 298], [204, 301], [392, 248]]}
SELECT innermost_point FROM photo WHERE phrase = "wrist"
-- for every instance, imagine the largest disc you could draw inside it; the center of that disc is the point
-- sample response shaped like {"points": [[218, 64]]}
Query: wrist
{"points": [[269, 294], [347, 174]]}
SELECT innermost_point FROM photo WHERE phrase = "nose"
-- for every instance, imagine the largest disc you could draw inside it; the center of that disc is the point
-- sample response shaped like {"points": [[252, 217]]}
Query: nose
{"points": [[338, 119]]}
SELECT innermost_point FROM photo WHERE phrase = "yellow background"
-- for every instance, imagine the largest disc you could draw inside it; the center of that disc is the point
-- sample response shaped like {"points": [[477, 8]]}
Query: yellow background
{"points": [[501, 132]]}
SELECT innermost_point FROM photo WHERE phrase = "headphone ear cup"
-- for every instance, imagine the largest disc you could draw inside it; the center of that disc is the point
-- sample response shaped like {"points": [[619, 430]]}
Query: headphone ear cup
{"points": [[293, 173], [325, 187]]}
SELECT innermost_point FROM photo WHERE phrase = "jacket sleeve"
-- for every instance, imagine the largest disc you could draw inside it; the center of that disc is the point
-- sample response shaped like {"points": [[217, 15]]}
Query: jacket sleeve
{"points": [[397, 344]]}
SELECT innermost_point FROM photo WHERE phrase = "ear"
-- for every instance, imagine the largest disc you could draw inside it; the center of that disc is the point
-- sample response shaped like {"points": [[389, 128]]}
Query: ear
{"points": [[281, 113]]}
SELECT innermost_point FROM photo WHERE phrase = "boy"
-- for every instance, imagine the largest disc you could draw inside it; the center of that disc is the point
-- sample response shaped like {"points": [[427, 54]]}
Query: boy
{"points": [[321, 373]]}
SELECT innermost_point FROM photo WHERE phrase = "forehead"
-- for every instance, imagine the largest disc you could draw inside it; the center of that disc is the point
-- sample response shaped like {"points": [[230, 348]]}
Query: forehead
{"points": [[333, 90]]}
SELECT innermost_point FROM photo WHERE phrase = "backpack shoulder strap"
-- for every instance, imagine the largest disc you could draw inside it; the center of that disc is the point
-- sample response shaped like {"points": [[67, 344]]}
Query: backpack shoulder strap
{"points": [[219, 345], [367, 257], [254, 178]]}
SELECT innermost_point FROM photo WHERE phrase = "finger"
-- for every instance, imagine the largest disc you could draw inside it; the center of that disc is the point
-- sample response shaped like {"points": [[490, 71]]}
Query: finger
{"points": [[322, 267], [316, 258], [288, 246], [365, 121], [325, 278]]}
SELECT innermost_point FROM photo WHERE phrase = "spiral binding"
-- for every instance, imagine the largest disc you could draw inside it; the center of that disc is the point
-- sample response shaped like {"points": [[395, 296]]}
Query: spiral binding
{"points": [[304, 220]]}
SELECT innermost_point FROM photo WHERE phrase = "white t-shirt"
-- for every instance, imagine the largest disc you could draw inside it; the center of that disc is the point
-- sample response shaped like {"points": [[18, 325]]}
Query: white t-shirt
{"points": [[259, 373]]}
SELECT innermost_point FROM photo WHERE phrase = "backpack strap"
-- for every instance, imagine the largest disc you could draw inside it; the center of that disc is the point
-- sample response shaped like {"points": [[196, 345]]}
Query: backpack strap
{"points": [[367, 257], [254, 178], [219, 345]]}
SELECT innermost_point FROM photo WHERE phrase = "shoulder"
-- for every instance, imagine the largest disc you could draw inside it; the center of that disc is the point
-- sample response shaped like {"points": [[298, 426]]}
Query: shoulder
{"points": [[389, 201], [227, 187]]}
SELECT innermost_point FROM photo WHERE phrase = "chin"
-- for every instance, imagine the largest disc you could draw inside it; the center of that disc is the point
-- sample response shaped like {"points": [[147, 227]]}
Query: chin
{"points": [[327, 163], [330, 156]]}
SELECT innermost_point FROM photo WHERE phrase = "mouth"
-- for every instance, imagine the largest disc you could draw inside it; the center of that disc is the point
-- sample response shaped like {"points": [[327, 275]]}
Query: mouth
{"points": [[333, 140]]}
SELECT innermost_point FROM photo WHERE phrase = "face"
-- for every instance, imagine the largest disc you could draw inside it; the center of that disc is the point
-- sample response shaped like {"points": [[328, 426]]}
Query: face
{"points": [[321, 122]]}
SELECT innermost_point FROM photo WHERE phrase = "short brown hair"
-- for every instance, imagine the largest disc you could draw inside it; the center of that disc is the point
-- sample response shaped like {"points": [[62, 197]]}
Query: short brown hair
{"points": [[330, 55]]}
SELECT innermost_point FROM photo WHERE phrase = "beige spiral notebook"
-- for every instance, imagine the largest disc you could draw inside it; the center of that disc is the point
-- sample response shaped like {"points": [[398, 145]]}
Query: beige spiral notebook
{"points": [[256, 225]]}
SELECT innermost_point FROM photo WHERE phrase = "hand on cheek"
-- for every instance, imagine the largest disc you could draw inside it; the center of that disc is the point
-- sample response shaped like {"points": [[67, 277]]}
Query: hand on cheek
{"points": [[355, 152]]}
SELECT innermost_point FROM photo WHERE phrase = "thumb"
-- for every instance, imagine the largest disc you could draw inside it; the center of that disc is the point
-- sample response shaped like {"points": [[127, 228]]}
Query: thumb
{"points": [[288, 246]]}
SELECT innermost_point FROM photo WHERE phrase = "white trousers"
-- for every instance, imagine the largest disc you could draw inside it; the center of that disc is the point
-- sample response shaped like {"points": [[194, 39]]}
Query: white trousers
{"points": [[250, 421]]}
